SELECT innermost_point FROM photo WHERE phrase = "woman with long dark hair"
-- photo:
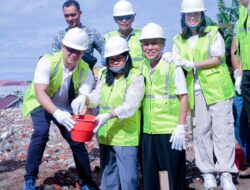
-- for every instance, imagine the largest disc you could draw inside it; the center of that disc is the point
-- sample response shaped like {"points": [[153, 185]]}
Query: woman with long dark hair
{"points": [[119, 92], [200, 49]]}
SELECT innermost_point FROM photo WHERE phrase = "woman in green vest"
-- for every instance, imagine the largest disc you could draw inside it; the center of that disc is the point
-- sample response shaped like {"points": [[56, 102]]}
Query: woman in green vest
{"points": [[119, 92], [200, 49]]}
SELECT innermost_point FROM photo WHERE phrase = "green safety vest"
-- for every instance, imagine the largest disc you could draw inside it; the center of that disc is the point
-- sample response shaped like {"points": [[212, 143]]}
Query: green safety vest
{"points": [[30, 101], [243, 38], [134, 45], [118, 132], [160, 105], [216, 83]]}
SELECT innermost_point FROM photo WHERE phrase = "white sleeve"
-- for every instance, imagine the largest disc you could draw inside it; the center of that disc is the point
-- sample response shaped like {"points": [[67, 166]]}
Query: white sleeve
{"points": [[133, 98], [175, 51], [87, 85], [218, 46], [180, 81], [235, 29], [95, 95], [42, 71], [248, 7]]}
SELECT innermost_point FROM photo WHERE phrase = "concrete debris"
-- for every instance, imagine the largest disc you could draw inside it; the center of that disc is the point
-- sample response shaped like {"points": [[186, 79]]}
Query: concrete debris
{"points": [[57, 171]]}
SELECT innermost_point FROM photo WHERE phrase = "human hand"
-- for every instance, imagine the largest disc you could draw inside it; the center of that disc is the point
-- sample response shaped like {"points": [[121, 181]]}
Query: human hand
{"points": [[237, 83], [184, 63], [178, 138], [64, 118], [102, 119], [78, 104]]}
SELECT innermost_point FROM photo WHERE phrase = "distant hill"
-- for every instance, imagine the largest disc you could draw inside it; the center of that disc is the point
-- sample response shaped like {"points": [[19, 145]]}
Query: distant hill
{"points": [[8, 87], [14, 83]]}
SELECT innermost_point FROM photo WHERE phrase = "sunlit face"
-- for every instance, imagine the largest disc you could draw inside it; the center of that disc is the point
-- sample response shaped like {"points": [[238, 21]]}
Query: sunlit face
{"points": [[71, 57], [117, 61], [124, 22], [152, 48], [193, 19], [72, 16]]}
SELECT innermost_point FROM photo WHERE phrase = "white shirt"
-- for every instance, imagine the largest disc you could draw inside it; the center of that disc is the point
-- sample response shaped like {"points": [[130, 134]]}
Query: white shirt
{"points": [[60, 99], [217, 49], [178, 78], [132, 100]]}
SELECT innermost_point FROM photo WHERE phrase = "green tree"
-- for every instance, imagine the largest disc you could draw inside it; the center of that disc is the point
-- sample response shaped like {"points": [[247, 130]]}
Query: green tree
{"points": [[227, 18]]}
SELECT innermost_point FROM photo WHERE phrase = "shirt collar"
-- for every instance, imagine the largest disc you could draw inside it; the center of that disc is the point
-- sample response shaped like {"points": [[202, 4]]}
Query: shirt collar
{"points": [[81, 26], [128, 37]]}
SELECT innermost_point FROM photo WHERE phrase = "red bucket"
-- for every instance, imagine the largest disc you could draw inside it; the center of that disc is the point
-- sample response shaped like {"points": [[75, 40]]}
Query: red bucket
{"points": [[239, 156], [83, 129]]}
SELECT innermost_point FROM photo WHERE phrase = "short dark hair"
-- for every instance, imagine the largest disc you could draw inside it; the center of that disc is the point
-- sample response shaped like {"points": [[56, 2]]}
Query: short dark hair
{"points": [[69, 3], [186, 31], [110, 77]]}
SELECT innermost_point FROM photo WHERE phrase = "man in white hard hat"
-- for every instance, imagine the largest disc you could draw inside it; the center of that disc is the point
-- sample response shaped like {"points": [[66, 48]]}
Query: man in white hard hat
{"points": [[72, 14], [124, 15], [52, 97], [165, 107]]}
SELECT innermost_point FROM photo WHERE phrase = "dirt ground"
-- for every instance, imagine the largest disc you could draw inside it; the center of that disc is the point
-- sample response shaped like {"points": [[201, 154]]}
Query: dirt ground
{"points": [[15, 133]]}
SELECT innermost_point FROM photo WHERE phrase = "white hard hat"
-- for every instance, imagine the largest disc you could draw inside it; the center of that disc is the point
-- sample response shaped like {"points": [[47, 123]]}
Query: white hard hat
{"points": [[189, 6], [122, 8], [114, 46], [76, 38], [152, 30]]}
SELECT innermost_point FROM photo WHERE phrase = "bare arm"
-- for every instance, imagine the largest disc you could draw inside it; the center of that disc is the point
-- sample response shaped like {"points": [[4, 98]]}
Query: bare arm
{"points": [[43, 98], [234, 58], [211, 62], [183, 108]]}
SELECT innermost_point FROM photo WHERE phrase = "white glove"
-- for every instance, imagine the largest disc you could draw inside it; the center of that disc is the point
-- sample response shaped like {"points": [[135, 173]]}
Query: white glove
{"points": [[178, 138], [64, 118], [102, 119], [237, 82], [184, 63], [78, 104]]}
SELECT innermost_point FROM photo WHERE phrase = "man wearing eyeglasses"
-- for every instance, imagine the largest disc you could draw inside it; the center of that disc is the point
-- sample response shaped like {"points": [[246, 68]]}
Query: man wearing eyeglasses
{"points": [[124, 14], [72, 14], [51, 97]]}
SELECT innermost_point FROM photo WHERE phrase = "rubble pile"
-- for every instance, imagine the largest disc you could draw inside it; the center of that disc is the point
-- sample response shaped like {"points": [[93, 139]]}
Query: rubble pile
{"points": [[56, 171], [15, 133]]}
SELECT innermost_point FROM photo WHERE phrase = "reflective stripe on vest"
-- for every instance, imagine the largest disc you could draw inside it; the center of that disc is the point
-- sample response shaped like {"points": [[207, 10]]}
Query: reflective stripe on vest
{"points": [[243, 38], [160, 105], [159, 97], [117, 132], [29, 100], [134, 46], [216, 83]]}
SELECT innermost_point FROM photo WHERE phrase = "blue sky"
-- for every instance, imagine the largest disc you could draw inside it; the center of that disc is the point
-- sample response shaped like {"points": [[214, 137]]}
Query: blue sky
{"points": [[28, 26]]}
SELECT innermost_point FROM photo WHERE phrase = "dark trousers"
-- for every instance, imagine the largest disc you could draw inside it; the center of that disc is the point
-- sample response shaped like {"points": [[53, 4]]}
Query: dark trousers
{"points": [[41, 124], [242, 131], [245, 89], [157, 155]]}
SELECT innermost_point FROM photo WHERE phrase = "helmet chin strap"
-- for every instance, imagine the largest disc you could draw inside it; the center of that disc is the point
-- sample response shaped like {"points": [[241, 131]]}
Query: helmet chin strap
{"points": [[195, 27], [119, 69], [154, 59]]}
